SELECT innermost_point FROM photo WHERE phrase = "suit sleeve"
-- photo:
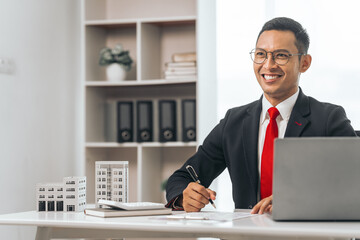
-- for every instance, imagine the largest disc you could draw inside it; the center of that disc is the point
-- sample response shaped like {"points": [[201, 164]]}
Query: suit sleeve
{"points": [[208, 163], [338, 124]]}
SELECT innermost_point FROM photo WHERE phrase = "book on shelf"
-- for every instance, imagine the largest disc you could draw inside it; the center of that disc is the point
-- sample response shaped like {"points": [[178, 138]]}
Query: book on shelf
{"points": [[180, 64], [117, 212], [184, 57], [182, 69], [181, 77], [173, 73]]}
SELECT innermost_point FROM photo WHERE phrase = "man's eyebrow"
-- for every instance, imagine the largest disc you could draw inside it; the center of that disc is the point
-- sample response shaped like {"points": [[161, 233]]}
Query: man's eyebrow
{"points": [[276, 50], [279, 50]]}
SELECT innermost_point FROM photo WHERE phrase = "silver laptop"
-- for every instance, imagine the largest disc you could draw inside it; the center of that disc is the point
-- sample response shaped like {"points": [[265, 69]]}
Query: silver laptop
{"points": [[316, 179]]}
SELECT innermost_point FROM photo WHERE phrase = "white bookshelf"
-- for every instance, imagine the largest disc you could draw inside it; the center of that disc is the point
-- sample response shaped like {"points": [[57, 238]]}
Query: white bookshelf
{"points": [[152, 31]]}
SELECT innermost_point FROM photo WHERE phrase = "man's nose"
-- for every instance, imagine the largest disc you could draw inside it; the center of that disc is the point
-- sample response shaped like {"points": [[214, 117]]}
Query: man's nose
{"points": [[269, 61]]}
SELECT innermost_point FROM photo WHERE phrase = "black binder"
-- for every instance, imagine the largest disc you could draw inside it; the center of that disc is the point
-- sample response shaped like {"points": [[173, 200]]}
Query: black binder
{"points": [[188, 120], [125, 122], [167, 120], [144, 121]]}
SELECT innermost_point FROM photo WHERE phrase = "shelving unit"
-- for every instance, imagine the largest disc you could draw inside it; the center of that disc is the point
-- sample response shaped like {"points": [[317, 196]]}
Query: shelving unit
{"points": [[151, 36]]}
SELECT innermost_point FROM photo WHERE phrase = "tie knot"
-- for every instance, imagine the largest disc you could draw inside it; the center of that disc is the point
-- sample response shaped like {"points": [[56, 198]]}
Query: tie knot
{"points": [[273, 113]]}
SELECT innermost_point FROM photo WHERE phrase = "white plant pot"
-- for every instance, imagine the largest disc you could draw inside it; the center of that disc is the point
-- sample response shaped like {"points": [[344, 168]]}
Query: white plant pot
{"points": [[115, 72]]}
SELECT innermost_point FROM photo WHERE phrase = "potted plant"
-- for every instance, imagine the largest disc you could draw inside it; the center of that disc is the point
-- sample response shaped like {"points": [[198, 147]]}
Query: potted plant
{"points": [[117, 61]]}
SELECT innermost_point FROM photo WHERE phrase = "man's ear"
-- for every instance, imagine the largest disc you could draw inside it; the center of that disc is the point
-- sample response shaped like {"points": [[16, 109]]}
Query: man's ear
{"points": [[305, 63]]}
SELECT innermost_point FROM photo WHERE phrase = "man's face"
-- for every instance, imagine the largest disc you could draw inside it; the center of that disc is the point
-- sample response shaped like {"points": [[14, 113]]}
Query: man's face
{"points": [[279, 82]]}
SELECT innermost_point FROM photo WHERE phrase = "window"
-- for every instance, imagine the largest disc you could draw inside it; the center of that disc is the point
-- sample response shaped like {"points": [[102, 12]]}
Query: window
{"points": [[51, 206], [42, 196], [70, 208], [42, 189], [59, 206], [42, 206], [59, 189], [50, 189], [70, 189]]}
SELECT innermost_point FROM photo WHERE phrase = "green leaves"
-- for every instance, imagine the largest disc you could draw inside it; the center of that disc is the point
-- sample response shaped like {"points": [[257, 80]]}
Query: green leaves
{"points": [[115, 55]]}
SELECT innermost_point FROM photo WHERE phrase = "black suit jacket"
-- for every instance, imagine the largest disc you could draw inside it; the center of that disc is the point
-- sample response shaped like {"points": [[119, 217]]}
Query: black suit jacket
{"points": [[233, 144]]}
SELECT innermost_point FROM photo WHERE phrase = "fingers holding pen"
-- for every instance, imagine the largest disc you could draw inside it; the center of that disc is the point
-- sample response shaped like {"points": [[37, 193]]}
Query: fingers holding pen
{"points": [[196, 196], [212, 194]]}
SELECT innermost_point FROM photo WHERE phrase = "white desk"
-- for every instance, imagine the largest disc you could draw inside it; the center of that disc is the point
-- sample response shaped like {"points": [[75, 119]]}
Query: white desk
{"points": [[77, 225]]}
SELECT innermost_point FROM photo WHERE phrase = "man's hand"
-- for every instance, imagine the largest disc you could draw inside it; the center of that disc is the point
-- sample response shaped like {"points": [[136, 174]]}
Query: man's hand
{"points": [[196, 196], [265, 205]]}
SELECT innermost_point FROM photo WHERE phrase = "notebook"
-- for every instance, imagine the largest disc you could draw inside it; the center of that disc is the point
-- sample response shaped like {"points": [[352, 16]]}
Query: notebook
{"points": [[113, 212], [120, 209], [316, 179]]}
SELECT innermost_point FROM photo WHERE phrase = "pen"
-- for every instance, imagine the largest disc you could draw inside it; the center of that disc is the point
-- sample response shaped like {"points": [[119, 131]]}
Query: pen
{"points": [[195, 177]]}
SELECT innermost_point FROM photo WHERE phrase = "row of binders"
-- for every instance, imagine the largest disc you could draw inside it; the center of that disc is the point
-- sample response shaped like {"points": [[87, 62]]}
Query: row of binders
{"points": [[148, 121]]}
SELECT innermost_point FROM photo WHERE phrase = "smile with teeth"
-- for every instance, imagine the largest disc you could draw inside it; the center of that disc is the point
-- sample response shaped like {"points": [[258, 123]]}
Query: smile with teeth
{"points": [[270, 77]]}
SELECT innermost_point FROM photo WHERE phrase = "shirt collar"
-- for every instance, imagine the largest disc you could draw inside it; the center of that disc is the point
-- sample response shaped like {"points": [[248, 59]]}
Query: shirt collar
{"points": [[285, 107]]}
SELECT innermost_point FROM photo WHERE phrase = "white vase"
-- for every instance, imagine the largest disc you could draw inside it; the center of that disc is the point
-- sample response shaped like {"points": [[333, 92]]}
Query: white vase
{"points": [[115, 72]]}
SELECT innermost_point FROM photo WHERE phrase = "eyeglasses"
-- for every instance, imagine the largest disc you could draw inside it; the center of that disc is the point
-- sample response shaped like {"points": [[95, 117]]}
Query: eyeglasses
{"points": [[280, 57]]}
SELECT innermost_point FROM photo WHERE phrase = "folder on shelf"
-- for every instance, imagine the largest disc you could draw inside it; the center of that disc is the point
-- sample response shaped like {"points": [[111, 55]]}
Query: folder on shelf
{"points": [[125, 122], [144, 121], [167, 120], [188, 120]]}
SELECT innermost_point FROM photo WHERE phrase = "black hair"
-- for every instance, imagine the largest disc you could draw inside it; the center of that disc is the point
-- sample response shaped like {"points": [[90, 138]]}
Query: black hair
{"points": [[287, 24]]}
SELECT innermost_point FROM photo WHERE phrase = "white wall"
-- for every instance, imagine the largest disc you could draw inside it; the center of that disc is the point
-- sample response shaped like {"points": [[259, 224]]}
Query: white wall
{"points": [[38, 101], [334, 39]]}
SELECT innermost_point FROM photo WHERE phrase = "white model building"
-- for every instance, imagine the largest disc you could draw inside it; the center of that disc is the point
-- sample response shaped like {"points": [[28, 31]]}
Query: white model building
{"points": [[112, 180], [68, 196]]}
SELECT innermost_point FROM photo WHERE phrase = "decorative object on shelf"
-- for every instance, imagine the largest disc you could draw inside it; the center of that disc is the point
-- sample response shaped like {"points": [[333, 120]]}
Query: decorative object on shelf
{"points": [[183, 66], [117, 61]]}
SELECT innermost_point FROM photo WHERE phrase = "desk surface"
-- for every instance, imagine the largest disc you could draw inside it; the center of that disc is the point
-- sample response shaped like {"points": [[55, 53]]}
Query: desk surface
{"points": [[257, 225]]}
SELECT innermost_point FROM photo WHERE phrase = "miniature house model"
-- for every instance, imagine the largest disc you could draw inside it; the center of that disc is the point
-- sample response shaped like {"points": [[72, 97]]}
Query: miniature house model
{"points": [[111, 179], [68, 196]]}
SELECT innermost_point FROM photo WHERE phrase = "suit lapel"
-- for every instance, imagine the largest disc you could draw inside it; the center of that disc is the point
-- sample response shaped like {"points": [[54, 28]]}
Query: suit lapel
{"points": [[298, 121], [250, 132]]}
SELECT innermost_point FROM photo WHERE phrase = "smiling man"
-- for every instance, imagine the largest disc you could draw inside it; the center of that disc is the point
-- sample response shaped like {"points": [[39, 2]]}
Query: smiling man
{"points": [[243, 140]]}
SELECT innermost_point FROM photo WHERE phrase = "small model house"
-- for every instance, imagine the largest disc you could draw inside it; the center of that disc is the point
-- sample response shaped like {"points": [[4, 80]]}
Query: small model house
{"points": [[111, 179], [68, 196]]}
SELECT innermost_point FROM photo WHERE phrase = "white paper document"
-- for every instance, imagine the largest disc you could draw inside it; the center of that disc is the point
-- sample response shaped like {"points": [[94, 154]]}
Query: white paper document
{"points": [[213, 215]]}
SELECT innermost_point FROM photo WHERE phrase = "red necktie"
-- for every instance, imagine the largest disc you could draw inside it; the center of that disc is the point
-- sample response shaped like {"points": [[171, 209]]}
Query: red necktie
{"points": [[268, 155]]}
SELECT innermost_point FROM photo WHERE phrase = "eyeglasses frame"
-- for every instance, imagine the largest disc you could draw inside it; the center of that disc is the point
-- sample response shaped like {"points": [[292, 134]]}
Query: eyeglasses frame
{"points": [[273, 57]]}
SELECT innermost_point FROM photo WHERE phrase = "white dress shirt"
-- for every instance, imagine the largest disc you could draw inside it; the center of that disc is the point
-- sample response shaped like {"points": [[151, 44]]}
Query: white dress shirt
{"points": [[285, 109]]}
